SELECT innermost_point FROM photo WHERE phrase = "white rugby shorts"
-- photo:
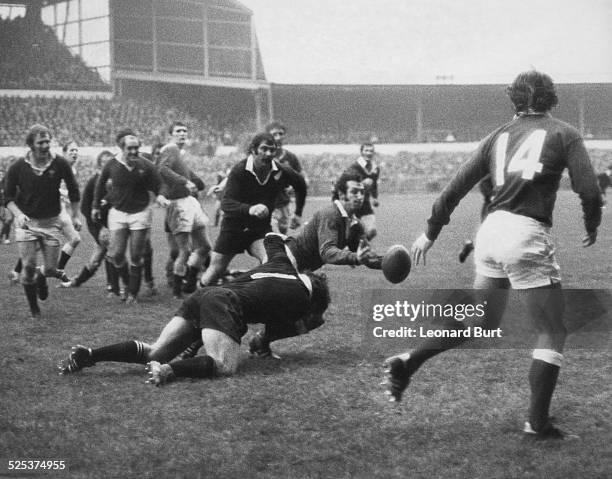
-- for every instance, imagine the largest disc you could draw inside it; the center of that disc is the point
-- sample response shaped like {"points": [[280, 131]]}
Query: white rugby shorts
{"points": [[518, 248], [120, 220], [185, 215]]}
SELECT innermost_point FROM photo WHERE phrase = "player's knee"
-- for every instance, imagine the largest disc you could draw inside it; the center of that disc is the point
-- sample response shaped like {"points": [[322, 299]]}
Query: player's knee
{"points": [[225, 367], [28, 272]]}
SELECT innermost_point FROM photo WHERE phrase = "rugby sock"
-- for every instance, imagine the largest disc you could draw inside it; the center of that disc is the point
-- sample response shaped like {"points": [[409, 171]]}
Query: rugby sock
{"points": [[30, 292], [66, 254], [543, 376], [84, 275], [434, 346], [124, 274], [147, 258], [177, 285], [126, 352], [112, 276], [18, 266], [190, 279], [135, 278], [198, 367], [6, 230]]}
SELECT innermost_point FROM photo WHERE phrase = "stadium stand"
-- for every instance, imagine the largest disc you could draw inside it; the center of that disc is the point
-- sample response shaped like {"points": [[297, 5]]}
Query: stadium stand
{"points": [[31, 57]]}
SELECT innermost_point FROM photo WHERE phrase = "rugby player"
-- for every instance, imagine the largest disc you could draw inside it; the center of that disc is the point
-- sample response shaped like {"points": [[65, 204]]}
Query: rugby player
{"points": [[98, 230], [132, 177], [282, 218], [251, 190], [185, 219], [33, 197], [70, 230], [6, 217], [525, 158], [370, 174], [273, 292]]}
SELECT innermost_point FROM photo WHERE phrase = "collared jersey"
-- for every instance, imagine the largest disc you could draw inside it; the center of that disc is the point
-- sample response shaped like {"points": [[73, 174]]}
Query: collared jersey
{"points": [[129, 191], [244, 189], [324, 239], [36, 191], [526, 158], [175, 173]]}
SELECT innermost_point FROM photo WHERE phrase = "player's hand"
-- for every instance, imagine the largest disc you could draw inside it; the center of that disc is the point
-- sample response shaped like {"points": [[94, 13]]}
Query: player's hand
{"points": [[419, 248], [589, 239], [259, 211], [191, 187], [162, 201], [374, 202], [96, 215], [76, 222], [367, 182], [363, 249], [296, 222], [372, 260]]}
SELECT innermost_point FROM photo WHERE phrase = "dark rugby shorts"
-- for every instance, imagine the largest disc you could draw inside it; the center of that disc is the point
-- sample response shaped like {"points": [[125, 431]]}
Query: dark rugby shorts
{"points": [[232, 242]]}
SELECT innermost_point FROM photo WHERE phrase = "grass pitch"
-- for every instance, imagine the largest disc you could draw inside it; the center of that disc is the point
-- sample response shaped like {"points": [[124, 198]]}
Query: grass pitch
{"points": [[319, 412]]}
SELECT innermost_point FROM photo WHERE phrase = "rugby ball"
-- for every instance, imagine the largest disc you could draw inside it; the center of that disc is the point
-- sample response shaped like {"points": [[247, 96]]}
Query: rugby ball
{"points": [[396, 264]]}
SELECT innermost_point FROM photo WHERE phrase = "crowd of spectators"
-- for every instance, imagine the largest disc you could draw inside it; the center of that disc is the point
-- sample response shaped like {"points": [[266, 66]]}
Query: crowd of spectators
{"points": [[403, 172], [31, 57], [94, 121]]}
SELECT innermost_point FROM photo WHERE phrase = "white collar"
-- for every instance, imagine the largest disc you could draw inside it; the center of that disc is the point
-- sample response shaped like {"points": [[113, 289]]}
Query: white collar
{"points": [[120, 159], [38, 169], [340, 207], [363, 162], [250, 167]]}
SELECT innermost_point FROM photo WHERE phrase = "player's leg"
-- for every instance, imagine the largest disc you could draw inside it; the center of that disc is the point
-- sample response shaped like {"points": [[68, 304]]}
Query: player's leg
{"points": [[258, 251], [401, 367], [218, 264], [138, 239], [545, 307], [197, 259], [72, 241], [222, 357], [27, 254], [147, 267], [179, 270], [173, 339], [117, 261], [50, 249]]}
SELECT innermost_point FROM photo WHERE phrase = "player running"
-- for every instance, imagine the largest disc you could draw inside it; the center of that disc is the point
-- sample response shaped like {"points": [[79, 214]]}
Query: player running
{"points": [[525, 158], [33, 196]]}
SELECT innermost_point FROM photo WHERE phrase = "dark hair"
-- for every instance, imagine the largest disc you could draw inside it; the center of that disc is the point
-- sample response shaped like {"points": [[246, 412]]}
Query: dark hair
{"points": [[67, 144], [532, 89], [174, 124], [102, 154], [320, 299], [340, 185], [363, 145], [258, 139], [122, 134], [34, 131], [276, 125]]}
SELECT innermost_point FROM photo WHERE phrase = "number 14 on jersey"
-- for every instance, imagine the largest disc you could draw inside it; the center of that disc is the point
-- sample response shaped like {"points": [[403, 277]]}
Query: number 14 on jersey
{"points": [[526, 159]]}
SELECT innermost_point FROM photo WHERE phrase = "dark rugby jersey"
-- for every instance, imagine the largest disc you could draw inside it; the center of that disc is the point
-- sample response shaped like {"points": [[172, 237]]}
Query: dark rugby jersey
{"points": [[130, 189], [323, 240], [175, 173], [244, 190], [271, 292], [525, 158], [38, 195]]}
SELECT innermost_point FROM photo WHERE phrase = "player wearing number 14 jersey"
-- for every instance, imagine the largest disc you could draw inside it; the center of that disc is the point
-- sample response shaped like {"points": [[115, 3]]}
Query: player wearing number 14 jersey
{"points": [[525, 159]]}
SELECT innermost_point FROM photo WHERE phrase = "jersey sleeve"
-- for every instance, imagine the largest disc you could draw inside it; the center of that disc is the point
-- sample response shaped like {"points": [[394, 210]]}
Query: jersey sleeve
{"points": [[470, 173], [296, 180], [584, 183]]}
